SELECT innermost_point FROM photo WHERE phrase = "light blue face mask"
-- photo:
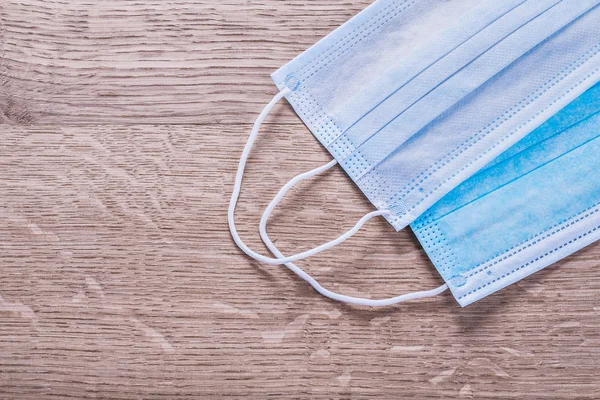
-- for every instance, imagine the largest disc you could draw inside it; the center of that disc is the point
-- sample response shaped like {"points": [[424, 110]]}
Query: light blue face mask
{"points": [[412, 97]]}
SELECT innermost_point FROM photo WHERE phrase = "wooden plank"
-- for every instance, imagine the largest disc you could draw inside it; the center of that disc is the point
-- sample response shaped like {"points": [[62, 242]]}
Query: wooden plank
{"points": [[118, 276], [120, 280], [116, 61]]}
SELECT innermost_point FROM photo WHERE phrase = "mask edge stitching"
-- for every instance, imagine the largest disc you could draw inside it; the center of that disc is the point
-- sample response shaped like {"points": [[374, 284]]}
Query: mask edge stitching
{"points": [[315, 114], [506, 275], [438, 246], [535, 239]]}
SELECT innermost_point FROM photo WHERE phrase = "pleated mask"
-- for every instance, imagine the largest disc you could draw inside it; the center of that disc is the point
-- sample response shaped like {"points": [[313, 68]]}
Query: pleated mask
{"points": [[413, 97], [535, 204]]}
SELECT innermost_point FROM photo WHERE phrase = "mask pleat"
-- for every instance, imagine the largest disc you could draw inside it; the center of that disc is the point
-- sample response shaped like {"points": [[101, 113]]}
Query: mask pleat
{"points": [[479, 71], [407, 90], [486, 122], [545, 150]]}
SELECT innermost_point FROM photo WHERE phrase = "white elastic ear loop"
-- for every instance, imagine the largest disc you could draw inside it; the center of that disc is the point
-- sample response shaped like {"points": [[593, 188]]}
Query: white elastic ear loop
{"points": [[236, 194], [316, 285], [288, 260]]}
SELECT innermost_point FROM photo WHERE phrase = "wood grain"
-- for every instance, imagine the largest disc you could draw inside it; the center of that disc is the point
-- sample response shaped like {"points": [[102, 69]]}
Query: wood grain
{"points": [[119, 279], [82, 62]]}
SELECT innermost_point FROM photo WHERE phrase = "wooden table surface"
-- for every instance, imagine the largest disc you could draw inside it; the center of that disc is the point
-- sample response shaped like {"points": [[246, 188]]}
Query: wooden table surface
{"points": [[122, 125]]}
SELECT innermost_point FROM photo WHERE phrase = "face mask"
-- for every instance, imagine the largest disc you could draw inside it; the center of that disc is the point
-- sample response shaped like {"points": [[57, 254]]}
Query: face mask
{"points": [[413, 97], [532, 206]]}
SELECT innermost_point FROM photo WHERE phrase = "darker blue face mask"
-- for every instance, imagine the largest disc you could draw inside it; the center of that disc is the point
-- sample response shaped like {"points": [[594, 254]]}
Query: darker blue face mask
{"points": [[535, 204], [442, 114]]}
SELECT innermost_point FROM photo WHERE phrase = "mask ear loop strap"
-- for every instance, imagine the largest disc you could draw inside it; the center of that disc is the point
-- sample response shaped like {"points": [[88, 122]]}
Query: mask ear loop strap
{"points": [[288, 261], [313, 282], [236, 194]]}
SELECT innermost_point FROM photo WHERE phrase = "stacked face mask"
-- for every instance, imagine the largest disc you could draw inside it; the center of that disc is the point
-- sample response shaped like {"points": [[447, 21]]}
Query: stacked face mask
{"points": [[413, 97], [535, 204]]}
